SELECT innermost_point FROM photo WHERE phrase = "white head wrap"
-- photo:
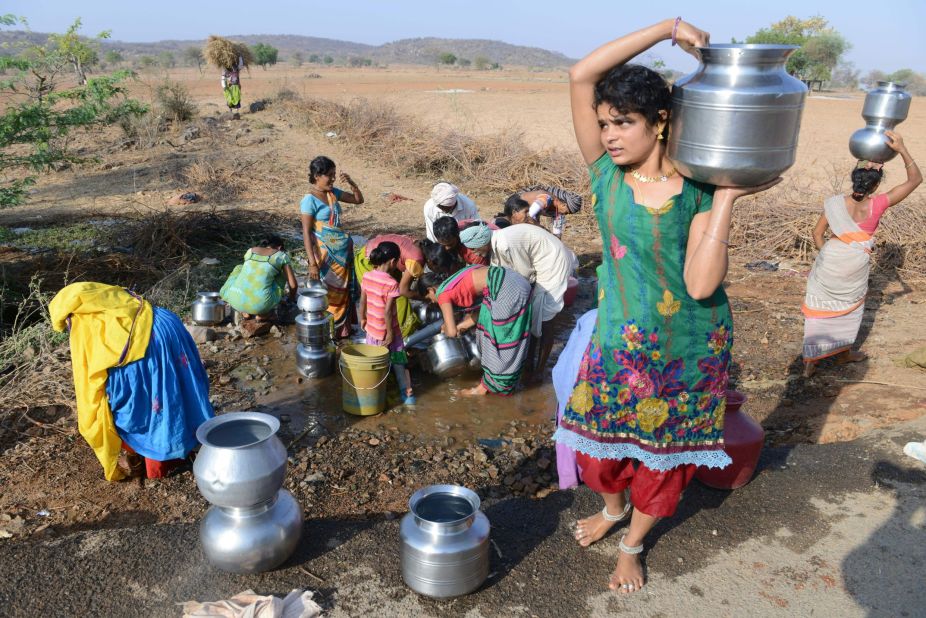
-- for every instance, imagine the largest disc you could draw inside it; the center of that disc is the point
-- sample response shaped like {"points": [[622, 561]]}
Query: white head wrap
{"points": [[444, 194]]}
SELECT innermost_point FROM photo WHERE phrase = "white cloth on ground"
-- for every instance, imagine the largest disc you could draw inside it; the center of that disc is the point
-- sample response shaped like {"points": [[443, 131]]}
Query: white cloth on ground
{"points": [[247, 604], [543, 259]]}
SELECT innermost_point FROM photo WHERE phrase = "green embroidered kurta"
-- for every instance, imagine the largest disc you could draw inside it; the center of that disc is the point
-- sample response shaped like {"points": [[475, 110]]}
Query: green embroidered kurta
{"points": [[651, 385]]}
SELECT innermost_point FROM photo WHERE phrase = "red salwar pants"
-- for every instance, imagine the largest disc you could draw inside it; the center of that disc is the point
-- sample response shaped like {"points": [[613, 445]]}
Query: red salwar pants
{"points": [[653, 493]]}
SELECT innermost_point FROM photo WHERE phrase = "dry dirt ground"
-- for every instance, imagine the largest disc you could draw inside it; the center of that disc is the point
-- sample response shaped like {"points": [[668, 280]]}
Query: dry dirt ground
{"points": [[53, 486]]}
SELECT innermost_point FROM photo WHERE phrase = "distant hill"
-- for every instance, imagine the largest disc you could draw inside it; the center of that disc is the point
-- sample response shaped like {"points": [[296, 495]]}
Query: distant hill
{"points": [[405, 51]]}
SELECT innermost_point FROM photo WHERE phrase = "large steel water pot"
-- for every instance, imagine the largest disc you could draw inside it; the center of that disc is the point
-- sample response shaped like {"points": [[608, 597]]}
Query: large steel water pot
{"points": [[885, 107], [446, 356], [315, 361], [253, 539], [314, 329], [445, 542], [735, 120], [242, 462], [312, 300], [208, 309]]}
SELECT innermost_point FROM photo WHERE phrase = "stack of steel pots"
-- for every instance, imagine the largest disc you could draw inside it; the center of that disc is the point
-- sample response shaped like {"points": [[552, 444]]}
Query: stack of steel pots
{"points": [[208, 309], [885, 107], [315, 352], [445, 542], [253, 525]]}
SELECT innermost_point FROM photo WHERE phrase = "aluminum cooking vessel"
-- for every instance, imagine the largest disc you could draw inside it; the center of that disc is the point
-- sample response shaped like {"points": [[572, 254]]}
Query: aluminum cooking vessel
{"points": [[242, 462], [735, 120], [471, 345], [315, 361], [445, 542], [208, 309], [253, 539], [446, 356], [885, 107]]}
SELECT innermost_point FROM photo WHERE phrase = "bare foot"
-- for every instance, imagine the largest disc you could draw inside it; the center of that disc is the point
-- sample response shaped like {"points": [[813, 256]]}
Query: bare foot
{"points": [[479, 389], [628, 575], [593, 528], [809, 369], [851, 356]]}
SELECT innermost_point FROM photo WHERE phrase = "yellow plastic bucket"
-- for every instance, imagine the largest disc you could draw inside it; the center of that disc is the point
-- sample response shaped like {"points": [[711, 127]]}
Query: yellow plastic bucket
{"points": [[364, 369]]}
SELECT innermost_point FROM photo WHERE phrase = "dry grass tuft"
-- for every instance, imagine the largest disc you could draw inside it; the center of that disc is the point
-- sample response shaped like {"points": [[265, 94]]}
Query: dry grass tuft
{"points": [[170, 237], [495, 163]]}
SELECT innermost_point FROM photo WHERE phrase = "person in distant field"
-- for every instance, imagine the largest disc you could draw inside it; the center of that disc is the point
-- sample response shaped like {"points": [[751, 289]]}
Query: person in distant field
{"points": [[231, 87], [447, 201], [448, 234], [838, 282], [328, 247], [542, 200], [378, 293], [256, 287]]}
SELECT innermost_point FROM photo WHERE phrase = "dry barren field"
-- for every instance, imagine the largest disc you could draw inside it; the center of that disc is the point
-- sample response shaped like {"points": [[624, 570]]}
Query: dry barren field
{"points": [[255, 169]]}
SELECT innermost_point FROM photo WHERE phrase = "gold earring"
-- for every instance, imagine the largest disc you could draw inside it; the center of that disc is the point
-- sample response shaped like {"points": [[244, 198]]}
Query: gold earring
{"points": [[659, 137]]}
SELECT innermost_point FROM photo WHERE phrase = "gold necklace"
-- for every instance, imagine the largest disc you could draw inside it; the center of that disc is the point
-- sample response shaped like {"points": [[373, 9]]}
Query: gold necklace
{"points": [[663, 178], [654, 210]]}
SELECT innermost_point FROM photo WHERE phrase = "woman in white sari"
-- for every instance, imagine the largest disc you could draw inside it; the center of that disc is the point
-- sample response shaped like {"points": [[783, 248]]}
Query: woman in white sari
{"points": [[838, 282]]}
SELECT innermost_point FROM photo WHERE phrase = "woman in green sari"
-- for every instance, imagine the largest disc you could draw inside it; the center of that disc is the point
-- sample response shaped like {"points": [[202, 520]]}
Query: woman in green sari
{"points": [[648, 404]]}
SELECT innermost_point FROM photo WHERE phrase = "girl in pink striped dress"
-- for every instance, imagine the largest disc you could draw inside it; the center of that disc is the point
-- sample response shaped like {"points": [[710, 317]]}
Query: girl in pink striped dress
{"points": [[378, 293]]}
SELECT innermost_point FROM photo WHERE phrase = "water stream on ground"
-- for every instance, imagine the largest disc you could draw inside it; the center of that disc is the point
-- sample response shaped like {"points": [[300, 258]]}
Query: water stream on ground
{"points": [[314, 405]]}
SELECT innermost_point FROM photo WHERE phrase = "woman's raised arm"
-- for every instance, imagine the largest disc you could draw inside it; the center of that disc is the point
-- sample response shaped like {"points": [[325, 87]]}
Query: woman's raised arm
{"points": [[587, 72]]}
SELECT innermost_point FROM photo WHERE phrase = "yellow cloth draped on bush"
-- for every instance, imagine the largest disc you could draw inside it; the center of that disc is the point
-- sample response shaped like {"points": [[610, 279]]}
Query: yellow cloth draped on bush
{"points": [[109, 327]]}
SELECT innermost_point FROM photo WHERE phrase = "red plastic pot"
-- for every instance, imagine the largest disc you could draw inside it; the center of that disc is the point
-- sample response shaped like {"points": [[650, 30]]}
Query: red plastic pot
{"points": [[572, 290], [743, 439]]}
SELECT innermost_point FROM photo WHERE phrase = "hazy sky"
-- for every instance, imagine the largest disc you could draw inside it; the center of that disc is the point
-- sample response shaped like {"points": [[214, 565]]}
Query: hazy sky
{"points": [[886, 34]]}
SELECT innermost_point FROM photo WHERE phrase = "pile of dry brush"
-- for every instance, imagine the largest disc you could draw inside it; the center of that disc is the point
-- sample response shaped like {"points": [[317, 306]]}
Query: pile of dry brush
{"points": [[498, 163], [223, 53], [773, 225]]}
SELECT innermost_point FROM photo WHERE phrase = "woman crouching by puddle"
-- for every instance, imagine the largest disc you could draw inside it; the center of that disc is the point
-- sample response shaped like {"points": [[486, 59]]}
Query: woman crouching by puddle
{"points": [[255, 287], [502, 323], [648, 403]]}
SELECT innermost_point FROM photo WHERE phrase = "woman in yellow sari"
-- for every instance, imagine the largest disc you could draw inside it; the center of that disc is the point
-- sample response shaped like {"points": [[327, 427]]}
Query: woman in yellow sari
{"points": [[328, 247]]}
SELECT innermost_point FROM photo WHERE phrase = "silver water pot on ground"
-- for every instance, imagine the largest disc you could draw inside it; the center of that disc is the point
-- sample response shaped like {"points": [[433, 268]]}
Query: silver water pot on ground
{"points": [[241, 462], [253, 525], [314, 329], [254, 539], [445, 542], [885, 107], [735, 120], [446, 356], [316, 361], [208, 309]]}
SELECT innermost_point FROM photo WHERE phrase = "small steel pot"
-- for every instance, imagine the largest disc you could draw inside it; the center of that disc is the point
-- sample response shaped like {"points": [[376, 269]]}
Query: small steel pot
{"points": [[471, 345], [446, 356], [312, 300], [208, 309], [445, 542], [242, 462]]}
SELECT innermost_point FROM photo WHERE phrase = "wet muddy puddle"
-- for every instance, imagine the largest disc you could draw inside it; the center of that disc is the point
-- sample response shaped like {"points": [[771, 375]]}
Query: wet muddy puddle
{"points": [[314, 405]]}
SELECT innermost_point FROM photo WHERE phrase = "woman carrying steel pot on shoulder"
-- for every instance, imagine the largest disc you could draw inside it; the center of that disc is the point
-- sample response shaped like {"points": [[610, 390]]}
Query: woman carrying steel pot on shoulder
{"points": [[647, 407]]}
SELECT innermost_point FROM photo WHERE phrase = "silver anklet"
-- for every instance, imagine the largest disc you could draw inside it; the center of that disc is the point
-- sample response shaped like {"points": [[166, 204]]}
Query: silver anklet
{"points": [[630, 550], [613, 518]]}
